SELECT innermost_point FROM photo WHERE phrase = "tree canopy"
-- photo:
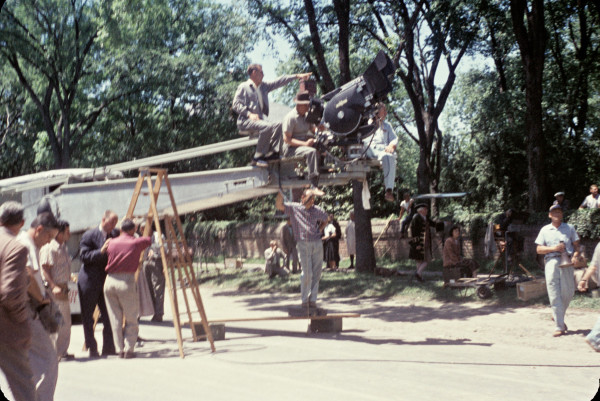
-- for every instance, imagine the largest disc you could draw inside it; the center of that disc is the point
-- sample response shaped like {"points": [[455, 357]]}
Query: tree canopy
{"points": [[497, 99]]}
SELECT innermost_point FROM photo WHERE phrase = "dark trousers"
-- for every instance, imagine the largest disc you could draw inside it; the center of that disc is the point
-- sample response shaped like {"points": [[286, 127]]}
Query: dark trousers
{"points": [[90, 288], [156, 282]]}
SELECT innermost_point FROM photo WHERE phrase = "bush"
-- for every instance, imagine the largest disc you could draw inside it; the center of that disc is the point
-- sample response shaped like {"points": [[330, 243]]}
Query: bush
{"points": [[586, 222]]}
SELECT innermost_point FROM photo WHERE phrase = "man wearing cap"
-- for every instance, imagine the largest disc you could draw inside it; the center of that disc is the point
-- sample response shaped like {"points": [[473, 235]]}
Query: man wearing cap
{"points": [[299, 136], [554, 239], [420, 244], [560, 200], [251, 103], [308, 221], [591, 201]]}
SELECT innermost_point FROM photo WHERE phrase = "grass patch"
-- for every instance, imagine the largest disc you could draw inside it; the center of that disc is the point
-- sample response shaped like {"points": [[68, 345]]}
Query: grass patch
{"points": [[349, 283]]}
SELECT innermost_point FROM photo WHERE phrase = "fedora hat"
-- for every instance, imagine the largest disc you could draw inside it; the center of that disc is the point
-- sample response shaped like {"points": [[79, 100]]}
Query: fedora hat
{"points": [[302, 97]]}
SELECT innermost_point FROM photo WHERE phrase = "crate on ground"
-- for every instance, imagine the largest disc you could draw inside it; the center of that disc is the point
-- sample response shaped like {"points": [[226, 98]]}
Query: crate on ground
{"points": [[234, 263], [531, 289]]}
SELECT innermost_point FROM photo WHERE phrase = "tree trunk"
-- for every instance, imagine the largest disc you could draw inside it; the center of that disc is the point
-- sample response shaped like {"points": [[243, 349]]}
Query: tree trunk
{"points": [[342, 10], [365, 252], [532, 44]]}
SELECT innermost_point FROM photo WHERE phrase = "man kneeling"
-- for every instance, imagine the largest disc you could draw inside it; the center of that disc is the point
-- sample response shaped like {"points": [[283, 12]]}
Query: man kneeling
{"points": [[274, 256]]}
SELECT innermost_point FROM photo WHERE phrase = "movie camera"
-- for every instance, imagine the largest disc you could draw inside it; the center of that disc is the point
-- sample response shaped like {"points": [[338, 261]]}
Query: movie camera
{"points": [[347, 112]]}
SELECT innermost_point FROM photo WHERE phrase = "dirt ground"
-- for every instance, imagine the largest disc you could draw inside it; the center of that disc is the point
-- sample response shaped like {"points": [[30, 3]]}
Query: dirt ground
{"points": [[397, 350]]}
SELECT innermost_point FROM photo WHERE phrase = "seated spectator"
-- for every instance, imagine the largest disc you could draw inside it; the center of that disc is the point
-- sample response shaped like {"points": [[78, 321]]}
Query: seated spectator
{"points": [[274, 257], [382, 146], [452, 256], [591, 201]]}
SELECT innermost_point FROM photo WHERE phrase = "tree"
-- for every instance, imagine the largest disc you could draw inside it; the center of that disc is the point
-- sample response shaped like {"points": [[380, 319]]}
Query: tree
{"points": [[528, 25], [428, 33], [49, 46], [157, 67]]}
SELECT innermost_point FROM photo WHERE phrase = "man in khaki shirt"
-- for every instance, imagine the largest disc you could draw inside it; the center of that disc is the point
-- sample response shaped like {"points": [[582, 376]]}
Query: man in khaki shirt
{"points": [[56, 269]]}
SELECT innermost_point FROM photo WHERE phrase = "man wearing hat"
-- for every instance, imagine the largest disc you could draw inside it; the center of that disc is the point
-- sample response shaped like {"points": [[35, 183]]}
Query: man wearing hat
{"points": [[420, 244], [251, 103], [554, 239], [560, 200], [299, 136]]}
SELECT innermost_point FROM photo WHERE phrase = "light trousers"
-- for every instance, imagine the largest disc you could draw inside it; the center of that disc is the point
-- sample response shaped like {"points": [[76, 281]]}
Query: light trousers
{"points": [[14, 363], [269, 135], [43, 361], [122, 302], [561, 288], [309, 153], [63, 337], [388, 163], [311, 259]]}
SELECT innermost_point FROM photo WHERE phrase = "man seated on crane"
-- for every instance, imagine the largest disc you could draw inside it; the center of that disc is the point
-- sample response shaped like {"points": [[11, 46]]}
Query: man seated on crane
{"points": [[251, 103], [299, 138], [382, 146]]}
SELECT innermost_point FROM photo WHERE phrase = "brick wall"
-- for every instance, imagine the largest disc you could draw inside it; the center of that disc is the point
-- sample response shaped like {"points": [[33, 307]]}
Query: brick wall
{"points": [[251, 240]]}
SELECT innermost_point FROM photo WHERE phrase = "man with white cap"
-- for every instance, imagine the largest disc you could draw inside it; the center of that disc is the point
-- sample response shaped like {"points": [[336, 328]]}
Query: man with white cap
{"points": [[560, 200], [554, 239]]}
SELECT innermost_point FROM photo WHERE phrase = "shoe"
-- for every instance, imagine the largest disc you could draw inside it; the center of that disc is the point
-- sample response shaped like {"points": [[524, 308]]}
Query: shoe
{"points": [[121, 355], [108, 353], [558, 333], [67, 357], [351, 267], [157, 318], [304, 305], [259, 162], [419, 277], [272, 156], [312, 304], [592, 345], [94, 354], [389, 196], [129, 355]]}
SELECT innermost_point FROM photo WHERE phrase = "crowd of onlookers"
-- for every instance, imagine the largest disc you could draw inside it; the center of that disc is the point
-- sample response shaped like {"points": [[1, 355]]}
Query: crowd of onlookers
{"points": [[35, 316]]}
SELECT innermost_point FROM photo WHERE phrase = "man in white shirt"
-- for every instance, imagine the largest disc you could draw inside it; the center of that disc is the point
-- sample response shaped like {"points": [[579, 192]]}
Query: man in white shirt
{"points": [[42, 355], [592, 200], [382, 146]]}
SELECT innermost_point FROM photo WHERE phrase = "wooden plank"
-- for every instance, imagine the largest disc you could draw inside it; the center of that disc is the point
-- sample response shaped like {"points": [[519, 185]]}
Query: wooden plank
{"points": [[307, 317]]}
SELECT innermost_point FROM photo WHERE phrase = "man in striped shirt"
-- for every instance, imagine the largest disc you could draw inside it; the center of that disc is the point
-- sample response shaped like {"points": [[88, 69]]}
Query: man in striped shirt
{"points": [[308, 221]]}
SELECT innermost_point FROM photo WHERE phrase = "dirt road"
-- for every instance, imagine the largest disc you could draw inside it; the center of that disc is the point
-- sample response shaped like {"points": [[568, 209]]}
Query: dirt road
{"points": [[397, 350]]}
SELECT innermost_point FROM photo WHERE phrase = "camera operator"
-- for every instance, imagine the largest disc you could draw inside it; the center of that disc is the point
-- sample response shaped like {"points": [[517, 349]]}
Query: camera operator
{"points": [[298, 138]]}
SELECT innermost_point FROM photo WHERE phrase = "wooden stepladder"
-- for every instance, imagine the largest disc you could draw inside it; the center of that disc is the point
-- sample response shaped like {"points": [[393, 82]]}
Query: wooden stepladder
{"points": [[175, 255]]}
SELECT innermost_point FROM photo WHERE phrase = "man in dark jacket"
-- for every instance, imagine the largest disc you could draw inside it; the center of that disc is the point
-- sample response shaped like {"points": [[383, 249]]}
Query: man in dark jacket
{"points": [[90, 283]]}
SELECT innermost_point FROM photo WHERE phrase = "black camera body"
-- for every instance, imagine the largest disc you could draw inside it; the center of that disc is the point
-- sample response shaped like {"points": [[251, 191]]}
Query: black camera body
{"points": [[346, 111]]}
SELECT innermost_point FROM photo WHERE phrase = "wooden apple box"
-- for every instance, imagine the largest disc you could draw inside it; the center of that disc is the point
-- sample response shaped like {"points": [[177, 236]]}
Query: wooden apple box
{"points": [[531, 289]]}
